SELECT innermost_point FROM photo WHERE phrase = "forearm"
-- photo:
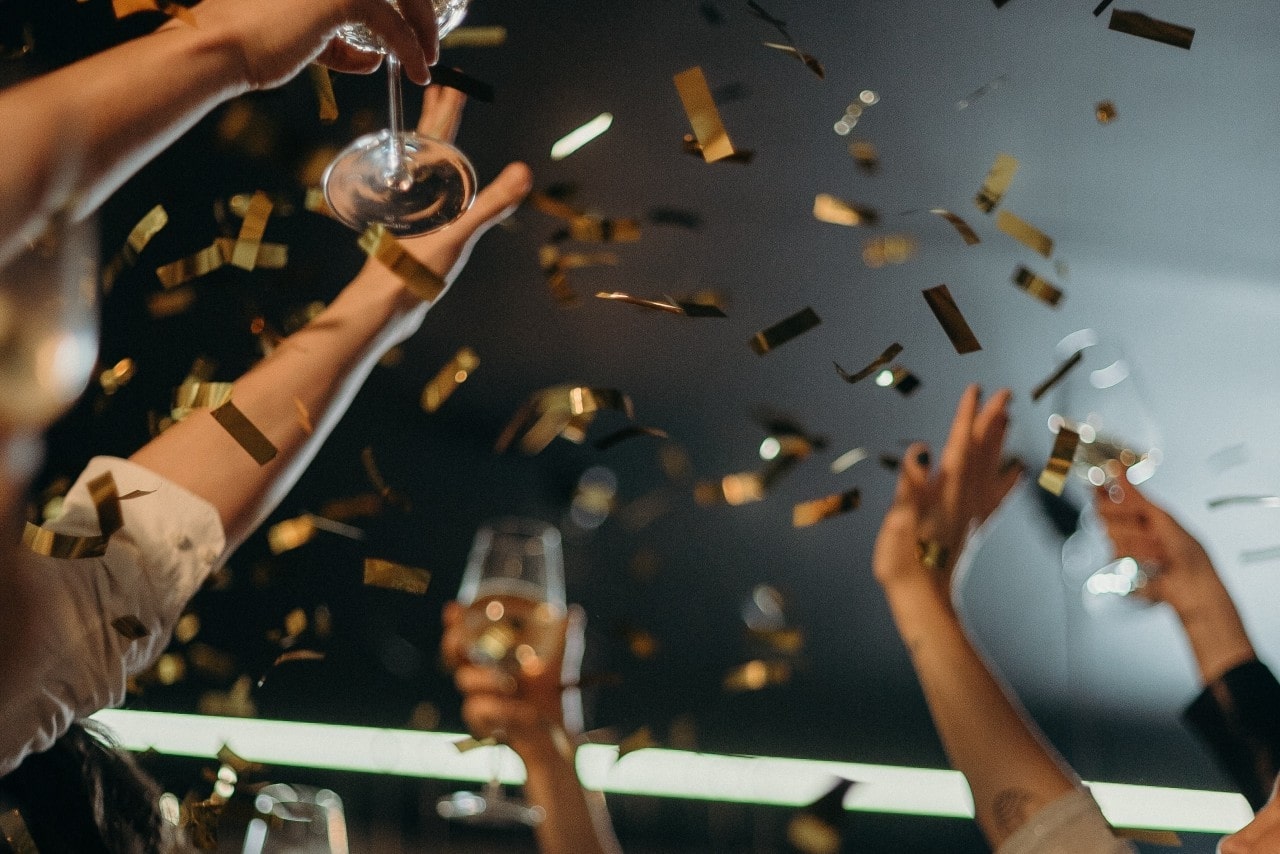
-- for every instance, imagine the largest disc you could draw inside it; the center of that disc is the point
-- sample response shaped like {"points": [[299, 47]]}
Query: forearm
{"points": [[1011, 769], [80, 132], [1213, 627], [575, 820], [318, 370]]}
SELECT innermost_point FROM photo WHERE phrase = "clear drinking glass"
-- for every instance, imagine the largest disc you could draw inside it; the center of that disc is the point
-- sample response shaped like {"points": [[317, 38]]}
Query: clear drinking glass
{"points": [[293, 819], [513, 592], [48, 324], [1101, 399], [409, 183]]}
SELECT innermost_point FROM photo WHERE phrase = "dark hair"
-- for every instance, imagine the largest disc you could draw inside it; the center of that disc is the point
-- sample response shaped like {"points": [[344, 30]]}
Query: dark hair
{"points": [[85, 795]]}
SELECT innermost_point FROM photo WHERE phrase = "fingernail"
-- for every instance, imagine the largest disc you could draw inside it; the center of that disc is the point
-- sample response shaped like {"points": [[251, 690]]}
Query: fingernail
{"points": [[923, 458]]}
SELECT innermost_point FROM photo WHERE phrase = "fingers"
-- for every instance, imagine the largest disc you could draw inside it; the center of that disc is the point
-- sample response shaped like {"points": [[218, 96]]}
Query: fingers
{"points": [[574, 645], [473, 679], [441, 112], [340, 56], [991, 424], [962, 426], [400, 37], [453, 644], [913, 474], [1006, 480], [496, 201], [421, 15]]}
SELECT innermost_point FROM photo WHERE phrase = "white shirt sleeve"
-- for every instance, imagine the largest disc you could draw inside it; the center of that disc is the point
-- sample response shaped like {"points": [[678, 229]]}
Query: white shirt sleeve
{"points": [[62, 658], [1072, 824]]}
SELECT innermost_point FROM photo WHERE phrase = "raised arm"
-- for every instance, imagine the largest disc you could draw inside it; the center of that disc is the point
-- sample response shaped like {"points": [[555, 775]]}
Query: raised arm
{"points": [[75, 135], [541, 720], [1013, 772], [323, 365]]}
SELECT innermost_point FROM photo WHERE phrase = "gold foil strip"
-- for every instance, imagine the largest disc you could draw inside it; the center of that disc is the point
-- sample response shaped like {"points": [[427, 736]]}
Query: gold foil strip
{"points": [[740, 155], [127, 256], [1057, 376], [932, 554], [889, 249], [903, 380], [633, 431], [197, 394], [554, 207], [767, 340], [703, 115], [466, 745], [390, 575], [756, 675], [638, 740], [864, 154], [123, 8], [117, 376], [967, 234], [811, 835], [828, 208], [1166, 838], [244, 253], [475, 37], [170, 303], [245, 433], [1143, 26], [455, 372], [810, 61], [64, 546], [1054, 477], [812, 512], [594, 229], [106, 501], [616, 296], [14, 831], [559, 411], [315, 202], [885, 358], [997, 183], [130, 628], [1105, 112], [194, 266], [323, 86], [371, 471], [239, 205], [386, 250], [1025, 233], [944, 307], [290, 534], [1041, 289]]}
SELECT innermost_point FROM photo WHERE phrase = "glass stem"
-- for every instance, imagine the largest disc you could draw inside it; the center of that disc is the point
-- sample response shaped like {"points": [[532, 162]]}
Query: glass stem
{"points": [[397, 169]]}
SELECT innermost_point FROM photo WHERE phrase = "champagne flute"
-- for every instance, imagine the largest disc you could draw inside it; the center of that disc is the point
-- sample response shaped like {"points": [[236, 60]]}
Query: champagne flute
{"points": [[513, 592], [409, 183], [293, 819], [1119, 443]]}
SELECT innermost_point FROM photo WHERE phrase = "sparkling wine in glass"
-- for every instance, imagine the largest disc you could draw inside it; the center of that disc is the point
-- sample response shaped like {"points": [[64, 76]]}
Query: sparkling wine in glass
{"points": [[1119, 445], [515, 617], [409, 183]]}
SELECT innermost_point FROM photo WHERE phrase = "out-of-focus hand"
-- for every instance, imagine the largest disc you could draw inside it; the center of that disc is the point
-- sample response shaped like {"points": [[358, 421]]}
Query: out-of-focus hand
{"points": [[934, 509], [276, 40], [1142, 530], [531, 710]]}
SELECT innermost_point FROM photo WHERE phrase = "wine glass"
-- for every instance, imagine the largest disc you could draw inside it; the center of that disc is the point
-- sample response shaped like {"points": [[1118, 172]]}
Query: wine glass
{"points": [[1102, 401], [409, 183], [513, 593], [293, 819]]}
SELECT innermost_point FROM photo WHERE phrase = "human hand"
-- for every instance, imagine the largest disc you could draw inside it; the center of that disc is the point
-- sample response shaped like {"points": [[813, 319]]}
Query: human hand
{"points": [[535, 709], [276, 40], [934, 510]]}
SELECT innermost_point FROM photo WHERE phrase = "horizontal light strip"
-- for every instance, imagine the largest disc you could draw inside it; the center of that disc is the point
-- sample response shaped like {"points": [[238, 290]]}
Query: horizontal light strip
{"points": [[575, 139], [656, 772]]}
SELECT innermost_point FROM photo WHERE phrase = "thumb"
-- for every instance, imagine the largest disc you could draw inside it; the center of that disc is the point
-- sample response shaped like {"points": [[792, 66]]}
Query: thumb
{"points": [[496, 201]]}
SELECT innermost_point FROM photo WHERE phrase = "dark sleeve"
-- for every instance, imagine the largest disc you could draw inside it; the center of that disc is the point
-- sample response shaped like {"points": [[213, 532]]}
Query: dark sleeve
{"points": [[1238, 718]]}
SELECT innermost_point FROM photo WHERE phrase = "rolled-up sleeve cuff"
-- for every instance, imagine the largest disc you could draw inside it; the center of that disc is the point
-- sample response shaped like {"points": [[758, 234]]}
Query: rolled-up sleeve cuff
{"points": [[1072, 824]]}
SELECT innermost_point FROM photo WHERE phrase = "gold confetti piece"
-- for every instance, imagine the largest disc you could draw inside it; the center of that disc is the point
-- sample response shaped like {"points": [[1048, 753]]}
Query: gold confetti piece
{"points": [[638, 740], [898, 377], [865, 155], [50, 544], [756, 675], [932, 554], [780, 333], [315, 202], [194, 266], [594, 229], [632, 431], [117, 376], [475, 37], [1041, 289], [195, 394], [357, 506], [952, 321], [384, 248], [245, 433], [1105, 112], [130, 628], [245, 252], [740, 155], [14, 831], [389, 495], [809, 60], [106, 501], [396, 576], [816, 828], [967, 234], [138, 238], [559, 411], [466, 745], [187, 628], [890, 249], [1057, 376], [1054, 477], [1143, 26], [640, 642], [124, 8], [739, 489], [789, 641], [997, 183], [812, 512], [703, 115], [239, 205], [890, 353], [455, 372], [323, 85], [1166, 838], [848, 460], [828, 208], [170, 303], [1025, 233], [290, 534], [552, 206]]}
